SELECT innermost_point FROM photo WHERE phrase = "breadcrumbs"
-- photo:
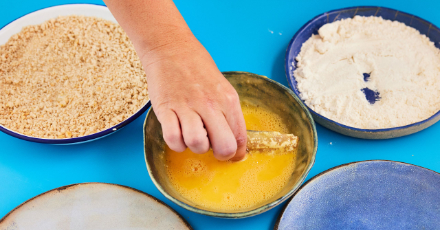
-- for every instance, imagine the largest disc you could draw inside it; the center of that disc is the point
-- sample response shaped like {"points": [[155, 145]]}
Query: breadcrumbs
{"points": [[69, 77]]}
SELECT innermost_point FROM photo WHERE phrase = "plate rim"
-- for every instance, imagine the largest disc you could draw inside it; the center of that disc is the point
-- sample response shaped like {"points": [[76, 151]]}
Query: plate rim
{"points": [[278, 220], [296, 91], [58, 189], [81, 139]]}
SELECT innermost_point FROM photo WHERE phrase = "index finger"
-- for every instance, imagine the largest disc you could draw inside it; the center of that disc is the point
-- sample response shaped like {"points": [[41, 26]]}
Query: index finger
{"points": [[220, 135], [236, 122]]}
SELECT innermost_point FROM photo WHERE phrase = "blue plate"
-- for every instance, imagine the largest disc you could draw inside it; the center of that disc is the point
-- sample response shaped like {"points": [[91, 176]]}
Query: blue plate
{"points": [[311, 27], [366, 195]]}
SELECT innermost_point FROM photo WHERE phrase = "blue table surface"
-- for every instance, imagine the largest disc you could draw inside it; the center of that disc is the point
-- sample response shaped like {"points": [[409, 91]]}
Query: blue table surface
{"points": [[241, 35]]}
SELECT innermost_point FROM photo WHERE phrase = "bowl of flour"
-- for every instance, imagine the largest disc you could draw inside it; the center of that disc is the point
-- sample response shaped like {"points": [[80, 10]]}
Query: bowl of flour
{"points": [[367, 72]]}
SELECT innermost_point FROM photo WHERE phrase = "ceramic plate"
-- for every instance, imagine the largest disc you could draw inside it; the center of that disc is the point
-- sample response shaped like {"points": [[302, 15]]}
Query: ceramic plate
{"points": [[41, 16], [366, 195], [257, 90], [311, 27], [93, 206]]}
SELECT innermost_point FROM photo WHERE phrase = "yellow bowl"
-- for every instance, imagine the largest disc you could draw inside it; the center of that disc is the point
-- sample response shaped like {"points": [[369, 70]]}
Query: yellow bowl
{"points": [[258, 90]]}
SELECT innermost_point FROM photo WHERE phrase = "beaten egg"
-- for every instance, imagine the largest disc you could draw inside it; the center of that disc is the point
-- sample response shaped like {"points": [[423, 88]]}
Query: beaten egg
{"points": [[233, 186]]}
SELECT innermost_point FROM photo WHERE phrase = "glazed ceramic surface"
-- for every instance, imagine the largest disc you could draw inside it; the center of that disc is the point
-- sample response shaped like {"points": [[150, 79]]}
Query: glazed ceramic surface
{"points": [[366, 195], [256, 90], [93, 206], [41, 16], [312, 27]]}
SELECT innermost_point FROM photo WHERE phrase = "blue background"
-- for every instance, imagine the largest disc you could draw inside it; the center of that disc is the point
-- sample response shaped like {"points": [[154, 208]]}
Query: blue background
{"points": [[241, 35]]}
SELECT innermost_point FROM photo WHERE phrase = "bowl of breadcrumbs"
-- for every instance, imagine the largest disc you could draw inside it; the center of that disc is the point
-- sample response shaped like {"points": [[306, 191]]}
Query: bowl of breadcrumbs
{"points": [[70, 78]]}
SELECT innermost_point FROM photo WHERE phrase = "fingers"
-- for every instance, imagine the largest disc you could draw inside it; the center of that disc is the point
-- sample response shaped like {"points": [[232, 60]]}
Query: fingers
{"points": [[194, 134], [222, 117], [183, 130], [236, 122], [171, 130], [222, 139]]}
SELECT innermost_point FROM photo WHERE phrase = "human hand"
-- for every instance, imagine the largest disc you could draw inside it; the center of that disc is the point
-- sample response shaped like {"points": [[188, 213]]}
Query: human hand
{"points": [[195, 104]]}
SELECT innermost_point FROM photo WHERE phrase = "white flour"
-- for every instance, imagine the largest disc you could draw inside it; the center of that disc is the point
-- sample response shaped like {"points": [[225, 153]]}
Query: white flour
{"points": [[404, 67]]}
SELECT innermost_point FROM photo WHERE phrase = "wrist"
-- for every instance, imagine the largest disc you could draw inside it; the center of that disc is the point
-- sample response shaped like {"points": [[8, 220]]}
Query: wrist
{"points": [[164, 44]]}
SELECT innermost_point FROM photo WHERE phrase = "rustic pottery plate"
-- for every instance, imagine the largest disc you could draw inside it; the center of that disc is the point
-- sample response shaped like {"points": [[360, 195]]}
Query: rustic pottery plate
{"points": [[93, 206], [258, 90]]}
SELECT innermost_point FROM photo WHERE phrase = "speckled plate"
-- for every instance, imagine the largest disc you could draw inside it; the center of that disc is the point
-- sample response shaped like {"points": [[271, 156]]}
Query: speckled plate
{"points": [[311, 27], [40, 16], [93, 206], [258, 90], [366, 195]]}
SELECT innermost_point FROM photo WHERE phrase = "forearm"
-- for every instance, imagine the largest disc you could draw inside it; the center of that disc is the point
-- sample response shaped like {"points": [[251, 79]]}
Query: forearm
{"points": [[150, 24], [195, 104]]}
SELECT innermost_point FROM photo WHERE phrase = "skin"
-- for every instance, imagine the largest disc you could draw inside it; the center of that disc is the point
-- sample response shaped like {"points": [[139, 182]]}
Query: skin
{"points": [[196, 106]]}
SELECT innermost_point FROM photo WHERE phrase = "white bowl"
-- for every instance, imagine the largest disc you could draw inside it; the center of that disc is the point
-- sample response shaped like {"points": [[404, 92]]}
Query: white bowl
{"points": [[40, 16]]}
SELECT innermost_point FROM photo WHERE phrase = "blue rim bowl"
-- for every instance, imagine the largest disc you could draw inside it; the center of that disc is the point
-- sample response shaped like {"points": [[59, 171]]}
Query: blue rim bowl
{"points": [[312, 26], [82, 139], [44, 14]]}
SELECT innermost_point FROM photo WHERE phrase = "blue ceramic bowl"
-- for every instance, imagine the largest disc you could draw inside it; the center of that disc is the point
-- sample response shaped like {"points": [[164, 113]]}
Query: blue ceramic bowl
{"points": [[41, 16], [366, 195], [312, 27]]}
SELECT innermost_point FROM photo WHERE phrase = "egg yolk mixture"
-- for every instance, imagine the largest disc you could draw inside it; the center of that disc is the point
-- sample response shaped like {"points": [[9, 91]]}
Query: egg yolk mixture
{"points": [[232, 186]]}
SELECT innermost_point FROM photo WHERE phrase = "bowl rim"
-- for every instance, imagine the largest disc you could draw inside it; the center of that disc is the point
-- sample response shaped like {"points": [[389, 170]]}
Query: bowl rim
{"points": [[323, 173], [257, 210], [75, 140], [291, 76], [59, 189]]}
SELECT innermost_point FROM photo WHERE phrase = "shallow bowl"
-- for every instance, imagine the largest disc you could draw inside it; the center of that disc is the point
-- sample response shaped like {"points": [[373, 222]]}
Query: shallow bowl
{"points": [[311, 27], [40, 16], [257, 90]]}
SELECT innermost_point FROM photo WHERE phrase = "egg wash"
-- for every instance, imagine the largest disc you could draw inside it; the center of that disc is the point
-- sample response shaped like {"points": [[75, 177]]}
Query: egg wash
{"points": [[232, 186]]}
